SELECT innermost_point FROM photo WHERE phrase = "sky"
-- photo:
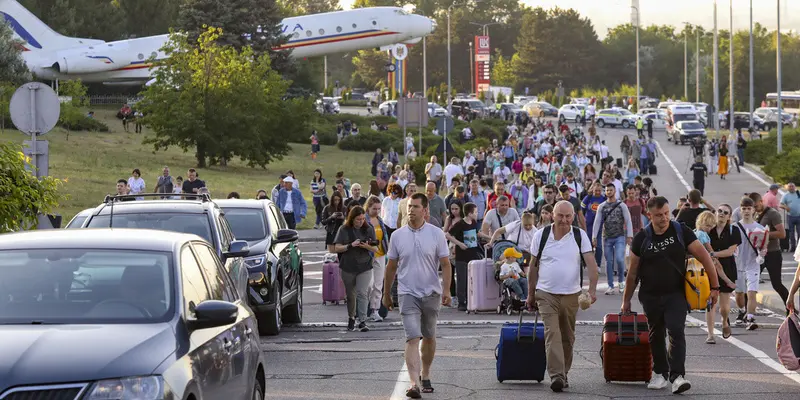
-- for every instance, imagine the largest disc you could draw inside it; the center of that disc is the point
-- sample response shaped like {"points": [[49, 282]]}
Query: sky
{"points": [[605, 14]]}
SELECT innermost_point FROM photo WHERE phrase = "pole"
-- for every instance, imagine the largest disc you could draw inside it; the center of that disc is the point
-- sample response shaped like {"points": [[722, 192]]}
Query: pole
{"points": [[686, 64], [471, 72], [716, 75], [325, 70], [33, 132], [697, 67], [730, 72], [449, 90], [424, 83], [638, 15], [751, 64], [780, 108]]}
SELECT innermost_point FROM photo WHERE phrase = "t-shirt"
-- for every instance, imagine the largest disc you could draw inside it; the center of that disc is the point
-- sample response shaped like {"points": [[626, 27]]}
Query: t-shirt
{"points": [[730, 236], [702, 236], [663, 262], [355, 260], [746, 260], [560, 265], [689, 216], [590, 205], [435, 172], [615, 220], [699, 171], [492, 219], [771, 218], [525, 237], [417, 252], [466, 233], [189, 185], [379, 237], [507, 268], [436, 207], [792, 200]]}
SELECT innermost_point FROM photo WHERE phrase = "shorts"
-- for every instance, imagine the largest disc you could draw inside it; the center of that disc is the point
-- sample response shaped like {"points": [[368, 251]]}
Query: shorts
{"points": [[419, 315], [750, 277]]}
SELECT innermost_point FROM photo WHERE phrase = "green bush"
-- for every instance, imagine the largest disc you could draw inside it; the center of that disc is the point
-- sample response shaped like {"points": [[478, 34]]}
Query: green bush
{"points": [[84, 124], [784, 167], [369, 140], [760, 151], [353, 103]]}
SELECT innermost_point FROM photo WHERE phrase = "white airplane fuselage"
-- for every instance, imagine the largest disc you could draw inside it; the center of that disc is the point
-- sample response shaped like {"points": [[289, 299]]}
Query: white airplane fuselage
{"points": [[52, 56]]}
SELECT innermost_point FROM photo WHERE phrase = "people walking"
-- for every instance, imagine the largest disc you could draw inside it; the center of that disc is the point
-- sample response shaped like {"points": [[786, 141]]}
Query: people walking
{"points": [[617, 228], [356, 244]]}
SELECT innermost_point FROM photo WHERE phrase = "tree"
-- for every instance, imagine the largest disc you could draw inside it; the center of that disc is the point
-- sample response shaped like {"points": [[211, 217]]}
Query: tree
{"points": [[71, 112], [196, 83], [244, 23], [306, 7], [12, 67], [369, 66], [22, 195], [503, 73]]}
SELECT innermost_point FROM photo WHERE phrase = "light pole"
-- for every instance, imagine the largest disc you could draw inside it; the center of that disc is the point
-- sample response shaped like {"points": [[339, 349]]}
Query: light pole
{"points": [[637, 56], [697, 67], [716, 74], [471, 72], [686, 61], [780, 108], [751, 64], [485, 26], [730, 72]]}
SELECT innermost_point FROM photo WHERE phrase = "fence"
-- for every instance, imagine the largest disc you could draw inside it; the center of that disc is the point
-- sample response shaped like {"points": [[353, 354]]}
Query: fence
{"points": [[120, 99]]}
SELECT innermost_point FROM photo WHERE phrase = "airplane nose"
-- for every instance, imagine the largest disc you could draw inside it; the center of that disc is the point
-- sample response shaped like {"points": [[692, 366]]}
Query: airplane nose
{"points": [[433, 25]]}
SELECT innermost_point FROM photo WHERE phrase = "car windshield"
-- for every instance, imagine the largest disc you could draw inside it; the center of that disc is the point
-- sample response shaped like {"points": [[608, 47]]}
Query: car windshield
{"points": [[475, 103], [684, 117], [196, 224], [692, 125], [247, 223], [625, 112], [85, 286], [76, 222], [544, 104]]}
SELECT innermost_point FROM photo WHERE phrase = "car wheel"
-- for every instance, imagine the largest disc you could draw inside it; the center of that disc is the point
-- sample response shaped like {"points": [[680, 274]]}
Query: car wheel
{"points": [[294, 313], [626, 124], [270, 322], [601, 123], [258, 392], [561, 118]]}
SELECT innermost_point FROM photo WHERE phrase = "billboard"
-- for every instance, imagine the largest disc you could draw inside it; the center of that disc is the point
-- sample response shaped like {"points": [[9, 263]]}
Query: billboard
{"points": [[483, 53]]}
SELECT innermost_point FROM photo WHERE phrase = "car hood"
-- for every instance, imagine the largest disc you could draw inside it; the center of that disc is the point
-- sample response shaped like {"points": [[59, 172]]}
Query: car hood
{"points": [[43, 354], [258, 247]]}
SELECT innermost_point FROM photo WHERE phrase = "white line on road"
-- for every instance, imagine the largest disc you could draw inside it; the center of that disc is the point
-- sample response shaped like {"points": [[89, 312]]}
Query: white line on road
{"points": [[760, 179], [674, 168], [315, 252], [485, 322], [400, 387], [313, 288], [312, 262], [312, 273]]}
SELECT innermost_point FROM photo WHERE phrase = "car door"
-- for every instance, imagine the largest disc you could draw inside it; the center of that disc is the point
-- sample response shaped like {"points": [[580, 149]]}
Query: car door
{"points": [[235, 266], [283, 253], [209, 348], [241, 334]]}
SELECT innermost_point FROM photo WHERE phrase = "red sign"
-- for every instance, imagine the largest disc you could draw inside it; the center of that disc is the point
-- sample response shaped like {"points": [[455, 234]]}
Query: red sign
{"points": [[483, 53]]}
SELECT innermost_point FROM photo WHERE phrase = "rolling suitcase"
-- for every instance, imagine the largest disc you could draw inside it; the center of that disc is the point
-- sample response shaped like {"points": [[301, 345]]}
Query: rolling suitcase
{"points": [[483, 291], [625, 348], [619, 163], [520, 354], [653, 170], [332, 284]]}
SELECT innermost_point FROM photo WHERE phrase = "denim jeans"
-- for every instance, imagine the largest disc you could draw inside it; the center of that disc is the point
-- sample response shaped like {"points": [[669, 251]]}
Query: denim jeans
{"points": [[644, 165], [615, 256], [793, 229], [740, 153], [598, 252], [318, 206], [519, 286]]}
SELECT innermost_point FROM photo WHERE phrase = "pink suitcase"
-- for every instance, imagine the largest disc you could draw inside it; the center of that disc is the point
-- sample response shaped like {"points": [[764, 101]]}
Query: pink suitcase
{"points": [[332, 285], [483, 291]]}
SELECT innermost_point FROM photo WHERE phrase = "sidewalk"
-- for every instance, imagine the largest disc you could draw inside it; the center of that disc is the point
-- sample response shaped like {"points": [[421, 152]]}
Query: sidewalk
{"points": [[311, 235]]}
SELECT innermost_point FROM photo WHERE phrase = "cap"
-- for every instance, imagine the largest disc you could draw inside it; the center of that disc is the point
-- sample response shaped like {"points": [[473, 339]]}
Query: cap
{"points": [[774, 186], [287, 179], [512, 252]]}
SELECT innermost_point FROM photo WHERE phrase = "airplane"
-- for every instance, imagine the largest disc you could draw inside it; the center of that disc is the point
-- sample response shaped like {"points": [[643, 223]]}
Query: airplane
{"points": [[52, 56]]}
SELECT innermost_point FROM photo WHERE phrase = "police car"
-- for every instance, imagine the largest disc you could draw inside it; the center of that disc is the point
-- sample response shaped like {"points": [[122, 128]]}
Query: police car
{"points": [[614, 117]]}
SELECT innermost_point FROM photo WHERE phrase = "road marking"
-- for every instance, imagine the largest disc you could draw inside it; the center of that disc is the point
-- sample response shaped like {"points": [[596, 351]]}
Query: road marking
{"points": [[315, 252], [757, 354], [485, 322], [760, 179], [312, 273], [400, 387], [313, 288], [312, 262]]}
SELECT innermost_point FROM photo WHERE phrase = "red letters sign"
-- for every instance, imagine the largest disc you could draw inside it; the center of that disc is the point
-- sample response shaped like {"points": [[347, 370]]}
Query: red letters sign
{"points": [[483, 53]]}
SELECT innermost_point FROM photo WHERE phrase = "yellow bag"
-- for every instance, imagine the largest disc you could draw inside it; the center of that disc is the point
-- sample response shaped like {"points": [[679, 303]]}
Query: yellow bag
{"points": [[697, 296]]}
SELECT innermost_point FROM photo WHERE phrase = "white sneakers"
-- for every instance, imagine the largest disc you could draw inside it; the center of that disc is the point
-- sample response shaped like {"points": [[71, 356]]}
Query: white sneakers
{"points": [[375, 317], [659, 382]]}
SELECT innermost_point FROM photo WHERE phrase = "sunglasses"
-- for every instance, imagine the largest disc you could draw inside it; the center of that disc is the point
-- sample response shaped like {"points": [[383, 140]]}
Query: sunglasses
{"points": [[723, 212]]}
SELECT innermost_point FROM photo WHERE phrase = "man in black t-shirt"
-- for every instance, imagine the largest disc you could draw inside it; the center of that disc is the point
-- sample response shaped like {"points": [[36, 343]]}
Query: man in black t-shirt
{"points": [[192, 184], [658, 259], [700, 172], [465, 235], [689, 215]]}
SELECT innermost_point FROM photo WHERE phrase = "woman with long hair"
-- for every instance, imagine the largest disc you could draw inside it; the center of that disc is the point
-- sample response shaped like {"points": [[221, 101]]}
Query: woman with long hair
{"points": [[319, 191], [589, 172], [332, 218], [454, 214], [374, 189], [356, 245], [382, 233], [725, 239]]}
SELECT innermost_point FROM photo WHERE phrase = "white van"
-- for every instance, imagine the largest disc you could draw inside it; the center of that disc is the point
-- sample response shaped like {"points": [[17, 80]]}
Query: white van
{"points": [[677, 113]]}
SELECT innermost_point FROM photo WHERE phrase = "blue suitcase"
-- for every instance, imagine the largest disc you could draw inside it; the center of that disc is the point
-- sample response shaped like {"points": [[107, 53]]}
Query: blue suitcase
{"points": [[520, 354]]}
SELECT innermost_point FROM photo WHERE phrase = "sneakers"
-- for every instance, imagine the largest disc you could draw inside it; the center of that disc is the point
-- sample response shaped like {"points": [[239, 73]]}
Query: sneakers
{"points": [[658, 382], [751, 323], [351, 324], [375, 317], [680, 385], [557, 385], [363, 327], [621, 286], [612, 291], [740, 319]]}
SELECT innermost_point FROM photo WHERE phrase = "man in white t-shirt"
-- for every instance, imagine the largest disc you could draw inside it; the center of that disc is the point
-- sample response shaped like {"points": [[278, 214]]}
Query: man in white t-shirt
{"points": [[554, 287], [451, 170], [416, 251], [522, 237]]}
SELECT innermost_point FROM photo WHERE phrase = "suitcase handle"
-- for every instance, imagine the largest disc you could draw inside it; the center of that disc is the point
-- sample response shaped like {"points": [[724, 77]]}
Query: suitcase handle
{"points": [[635, 340], [531, 338]]}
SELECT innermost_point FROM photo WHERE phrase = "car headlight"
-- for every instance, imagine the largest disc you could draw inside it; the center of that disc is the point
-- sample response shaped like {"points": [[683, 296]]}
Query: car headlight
{"points": [[253, 262], [133, 388]]}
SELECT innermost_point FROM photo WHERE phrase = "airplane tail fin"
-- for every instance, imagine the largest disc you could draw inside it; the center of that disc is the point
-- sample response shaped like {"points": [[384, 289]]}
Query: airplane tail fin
{"points": [[35, 34]]}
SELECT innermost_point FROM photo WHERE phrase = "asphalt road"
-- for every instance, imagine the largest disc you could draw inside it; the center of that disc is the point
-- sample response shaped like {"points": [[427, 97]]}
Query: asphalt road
{"points": [[319, 359]]}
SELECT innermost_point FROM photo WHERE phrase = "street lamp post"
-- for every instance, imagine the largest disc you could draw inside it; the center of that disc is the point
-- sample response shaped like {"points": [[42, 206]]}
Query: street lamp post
{"points": [[637, 55], [716, 74], [730, 71], [471, 72], [686, 62], [697, 67], [780, 108], [751, 65], [485, 26]]}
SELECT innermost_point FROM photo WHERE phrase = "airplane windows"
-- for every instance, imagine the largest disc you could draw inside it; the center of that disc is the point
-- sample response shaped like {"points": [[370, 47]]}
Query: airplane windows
{"points": [[296, 35], [308, 33], [338, 29], [322, 31], [154, 54], [374, 22], [141, 56]]}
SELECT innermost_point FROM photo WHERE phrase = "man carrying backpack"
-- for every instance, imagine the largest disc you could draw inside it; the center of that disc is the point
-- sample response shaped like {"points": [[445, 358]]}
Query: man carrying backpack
{"points": [[658, 260]]}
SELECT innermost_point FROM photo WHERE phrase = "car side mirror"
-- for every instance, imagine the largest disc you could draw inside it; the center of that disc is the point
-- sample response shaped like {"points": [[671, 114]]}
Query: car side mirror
{"points": [[238, 248], [286, 236], [213, 313]]}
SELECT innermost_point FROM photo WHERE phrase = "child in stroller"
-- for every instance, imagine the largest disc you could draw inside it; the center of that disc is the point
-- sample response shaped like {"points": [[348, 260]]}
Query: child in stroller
{"points": [[512, 279]]}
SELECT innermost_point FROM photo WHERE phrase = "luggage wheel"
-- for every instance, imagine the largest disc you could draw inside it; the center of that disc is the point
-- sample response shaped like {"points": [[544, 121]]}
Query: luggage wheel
{"points": [[336, 303], [324, 303], [500, 309], [538, 381]]}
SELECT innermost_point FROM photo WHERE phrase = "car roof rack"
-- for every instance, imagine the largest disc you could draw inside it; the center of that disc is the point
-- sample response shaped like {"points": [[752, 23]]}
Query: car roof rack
{"points": [[203, 197]]}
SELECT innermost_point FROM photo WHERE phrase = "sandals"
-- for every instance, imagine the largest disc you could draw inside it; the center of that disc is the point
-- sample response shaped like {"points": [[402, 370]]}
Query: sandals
{"points": [[726, 330], [426, 385], [413, 392]]}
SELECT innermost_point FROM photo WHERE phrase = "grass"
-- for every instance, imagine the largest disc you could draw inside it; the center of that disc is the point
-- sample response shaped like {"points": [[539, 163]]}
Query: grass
{"points": [[92, 163]]}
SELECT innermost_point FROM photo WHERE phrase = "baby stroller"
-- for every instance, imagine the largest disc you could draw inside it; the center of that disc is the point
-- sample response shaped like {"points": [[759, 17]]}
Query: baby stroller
{"points": [[509, 301]]}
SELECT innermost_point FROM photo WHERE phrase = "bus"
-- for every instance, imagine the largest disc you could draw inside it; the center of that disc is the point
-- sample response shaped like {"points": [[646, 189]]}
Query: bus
{"points": [[790, 101]]}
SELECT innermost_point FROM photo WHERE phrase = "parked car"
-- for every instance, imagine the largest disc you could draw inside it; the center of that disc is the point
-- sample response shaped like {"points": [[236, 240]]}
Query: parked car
{"points": [[540, 109], [614, 117], [742, 120], [278, 292], [79, 218], [771, 120], [659, 120], [570, 112], [472, 107], [436, 111], [123, 314], [383, 109], [328, 105], [510, 110], [686, 131]]}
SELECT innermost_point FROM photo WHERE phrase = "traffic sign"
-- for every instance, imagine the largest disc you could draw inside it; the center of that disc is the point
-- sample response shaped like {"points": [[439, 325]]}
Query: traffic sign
{"points": [[445, 125], [413, 112], [35, 108]]}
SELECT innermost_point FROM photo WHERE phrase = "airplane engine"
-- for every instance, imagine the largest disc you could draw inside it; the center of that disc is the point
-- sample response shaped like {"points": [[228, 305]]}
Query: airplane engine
{"points": [[86, 63]]}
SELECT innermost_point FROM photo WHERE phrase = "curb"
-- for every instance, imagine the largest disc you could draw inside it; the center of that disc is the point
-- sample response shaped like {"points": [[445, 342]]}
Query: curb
{"points": [[771, 301]]}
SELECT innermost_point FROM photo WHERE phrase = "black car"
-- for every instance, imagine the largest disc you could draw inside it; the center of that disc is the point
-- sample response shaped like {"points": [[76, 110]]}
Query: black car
{"points": [[275, 263], [195, 214], [123, 314]]}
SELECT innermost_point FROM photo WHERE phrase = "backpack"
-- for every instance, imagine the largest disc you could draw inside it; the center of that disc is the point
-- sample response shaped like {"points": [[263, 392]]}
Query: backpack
{"points": [[787, 343], [576, 233]]}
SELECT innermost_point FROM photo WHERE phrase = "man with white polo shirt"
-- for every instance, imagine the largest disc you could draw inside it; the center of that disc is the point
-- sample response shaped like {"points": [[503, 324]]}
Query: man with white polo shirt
{"points": [[554, 287], [416, 252]]}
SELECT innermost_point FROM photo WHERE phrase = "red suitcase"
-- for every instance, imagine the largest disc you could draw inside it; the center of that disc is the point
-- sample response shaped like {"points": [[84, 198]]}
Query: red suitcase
{"points": [[332, 285], [625, 348]]}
